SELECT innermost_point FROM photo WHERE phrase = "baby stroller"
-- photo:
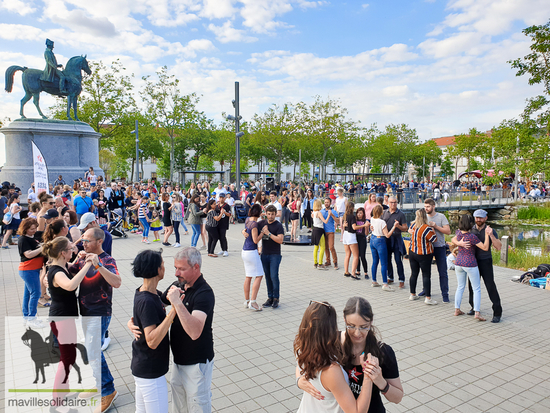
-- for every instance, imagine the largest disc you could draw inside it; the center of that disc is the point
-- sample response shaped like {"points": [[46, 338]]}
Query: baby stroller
{"points": [[117, 223], [240, 212]]}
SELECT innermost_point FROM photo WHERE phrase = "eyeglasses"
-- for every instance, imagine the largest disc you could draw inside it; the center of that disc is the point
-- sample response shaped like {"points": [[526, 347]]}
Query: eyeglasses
{"points": [[319, 302], [51, 203], [360, 329], [85, 241]]}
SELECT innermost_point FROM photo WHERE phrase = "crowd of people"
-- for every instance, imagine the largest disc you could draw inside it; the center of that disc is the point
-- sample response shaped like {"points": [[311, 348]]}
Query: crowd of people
{"points": [[65, 245]]}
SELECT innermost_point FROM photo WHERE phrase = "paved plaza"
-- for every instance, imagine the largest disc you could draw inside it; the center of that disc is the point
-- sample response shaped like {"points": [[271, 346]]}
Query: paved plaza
{"points": [[446, 363]]}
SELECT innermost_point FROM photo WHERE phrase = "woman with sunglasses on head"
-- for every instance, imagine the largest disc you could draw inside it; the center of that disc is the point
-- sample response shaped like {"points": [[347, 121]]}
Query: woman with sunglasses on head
{"points": [[71, 220], [320, 358], [382, 371]]}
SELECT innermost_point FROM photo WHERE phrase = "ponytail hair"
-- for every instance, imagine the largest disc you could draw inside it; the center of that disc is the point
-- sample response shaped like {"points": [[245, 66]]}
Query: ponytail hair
{"points": [[53, 248], [54, 229]]}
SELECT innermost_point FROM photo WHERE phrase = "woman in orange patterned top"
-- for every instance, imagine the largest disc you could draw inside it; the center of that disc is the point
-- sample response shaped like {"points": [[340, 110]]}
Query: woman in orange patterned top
{"points": [[421, 254]]}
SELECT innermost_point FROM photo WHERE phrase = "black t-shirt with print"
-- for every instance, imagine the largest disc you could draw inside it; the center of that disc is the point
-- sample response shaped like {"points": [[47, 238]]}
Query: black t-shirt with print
{"points": [[146, 362], [390, 370]]}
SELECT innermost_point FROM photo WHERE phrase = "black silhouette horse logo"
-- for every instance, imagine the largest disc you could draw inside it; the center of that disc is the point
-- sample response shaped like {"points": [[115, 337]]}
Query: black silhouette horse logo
{"points": [[44, 353]]}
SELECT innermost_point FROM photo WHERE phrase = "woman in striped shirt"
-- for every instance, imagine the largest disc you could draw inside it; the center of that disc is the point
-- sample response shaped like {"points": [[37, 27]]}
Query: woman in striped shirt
{"points": [[421, 254]]}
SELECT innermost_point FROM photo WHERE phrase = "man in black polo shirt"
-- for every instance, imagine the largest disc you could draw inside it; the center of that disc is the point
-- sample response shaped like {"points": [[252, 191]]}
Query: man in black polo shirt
{"points": [[485, 264], [273, 235], [395, 244], [191, 337]]}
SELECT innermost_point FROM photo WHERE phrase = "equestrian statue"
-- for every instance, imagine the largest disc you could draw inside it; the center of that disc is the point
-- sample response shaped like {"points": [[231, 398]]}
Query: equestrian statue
{"points": [[52, 80]]}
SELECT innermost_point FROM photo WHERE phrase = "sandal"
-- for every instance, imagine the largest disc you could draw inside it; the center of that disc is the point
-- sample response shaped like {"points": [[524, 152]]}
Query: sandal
{"points": [[355, 277], [458, 312], [213, 255], [254, 307], [44, 304], [347, 274], [480, 318]]}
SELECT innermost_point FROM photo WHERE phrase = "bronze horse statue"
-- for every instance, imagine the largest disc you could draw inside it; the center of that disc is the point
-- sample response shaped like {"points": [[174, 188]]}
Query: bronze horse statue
{"points": [[33, 85]]}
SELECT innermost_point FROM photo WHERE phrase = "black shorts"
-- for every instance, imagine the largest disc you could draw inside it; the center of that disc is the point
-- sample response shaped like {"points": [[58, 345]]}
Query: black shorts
{"points": [[294, 216]]}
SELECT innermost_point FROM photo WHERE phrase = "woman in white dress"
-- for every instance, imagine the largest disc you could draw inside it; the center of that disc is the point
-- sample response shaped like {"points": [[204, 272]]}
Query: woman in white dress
{"points": [[253, 267]]}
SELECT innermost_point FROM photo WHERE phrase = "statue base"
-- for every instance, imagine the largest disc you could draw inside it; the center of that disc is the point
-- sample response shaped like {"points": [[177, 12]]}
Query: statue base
{"points": [[69, 148]]}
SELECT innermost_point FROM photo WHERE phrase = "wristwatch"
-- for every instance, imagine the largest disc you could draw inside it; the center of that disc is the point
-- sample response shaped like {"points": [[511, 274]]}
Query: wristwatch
{"points": [[99, 264]]}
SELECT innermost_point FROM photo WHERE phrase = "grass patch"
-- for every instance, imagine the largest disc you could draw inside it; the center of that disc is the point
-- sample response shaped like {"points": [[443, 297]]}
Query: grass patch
{"points": [[533, 212], [521, 259]]}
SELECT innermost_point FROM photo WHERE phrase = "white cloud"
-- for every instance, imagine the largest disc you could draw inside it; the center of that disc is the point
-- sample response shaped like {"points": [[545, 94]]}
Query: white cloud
{"points": [[259, 15], [18, 6], [227, 33], [19, 32], [396, 91], [218, 9]]}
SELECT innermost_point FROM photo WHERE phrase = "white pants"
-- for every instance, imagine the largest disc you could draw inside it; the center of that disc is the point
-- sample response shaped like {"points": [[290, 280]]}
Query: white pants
{"points": [[191, 388], [151, 395]]}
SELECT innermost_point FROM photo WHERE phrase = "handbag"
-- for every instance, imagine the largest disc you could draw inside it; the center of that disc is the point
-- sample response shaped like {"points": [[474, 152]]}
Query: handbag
{"points": [[8, 216]]}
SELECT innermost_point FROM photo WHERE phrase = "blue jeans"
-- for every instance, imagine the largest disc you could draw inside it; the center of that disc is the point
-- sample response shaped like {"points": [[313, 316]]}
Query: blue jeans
{"points": [[271, 264], [196, 234], [183, 225], [145, 227], [473, 274], [398, 261], [92, 326], [379, 254], [441, 261], [32, 292]]}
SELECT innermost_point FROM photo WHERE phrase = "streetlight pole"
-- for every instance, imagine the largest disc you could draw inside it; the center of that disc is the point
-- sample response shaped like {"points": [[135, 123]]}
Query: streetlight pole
{"points": [[237, 138], [136, 132]]}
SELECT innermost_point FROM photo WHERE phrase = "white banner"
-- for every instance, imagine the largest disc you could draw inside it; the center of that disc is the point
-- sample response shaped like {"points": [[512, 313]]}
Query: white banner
{"points": [[40, 170]]}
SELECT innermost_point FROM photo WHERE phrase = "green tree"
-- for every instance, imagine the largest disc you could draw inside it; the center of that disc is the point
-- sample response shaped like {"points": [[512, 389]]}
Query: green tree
{"points": [[446, 168], [326, 127], [392, 149], [469, 145], [537, 65], [273, 134], [105, 100], [424, 155], [168, 108]]}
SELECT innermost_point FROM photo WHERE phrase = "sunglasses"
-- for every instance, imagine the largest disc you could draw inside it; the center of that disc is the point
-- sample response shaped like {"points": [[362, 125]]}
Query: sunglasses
{"points": [[319, 302]]}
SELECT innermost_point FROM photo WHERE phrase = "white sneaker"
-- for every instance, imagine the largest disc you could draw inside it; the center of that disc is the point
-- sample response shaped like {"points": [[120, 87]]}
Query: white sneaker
{"points": [[146, 241], [219, 252], [203, 247], [430, 301], [414, 297], [225, 254], [35, 323], [176, 245], [106, 343]]}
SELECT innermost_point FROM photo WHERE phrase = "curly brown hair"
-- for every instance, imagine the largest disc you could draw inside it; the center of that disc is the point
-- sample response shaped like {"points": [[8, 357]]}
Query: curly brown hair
{"points": [[25, 225], [317, 344]]}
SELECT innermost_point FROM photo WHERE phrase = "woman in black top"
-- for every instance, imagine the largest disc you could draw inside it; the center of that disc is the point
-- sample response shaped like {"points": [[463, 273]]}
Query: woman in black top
{"points": [[62, 288], [151, 351], [166, 219], [361, 337]]}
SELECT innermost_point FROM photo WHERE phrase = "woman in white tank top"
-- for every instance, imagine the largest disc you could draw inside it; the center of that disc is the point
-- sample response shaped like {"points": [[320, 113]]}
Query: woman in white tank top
{"points": [[318, 352]]}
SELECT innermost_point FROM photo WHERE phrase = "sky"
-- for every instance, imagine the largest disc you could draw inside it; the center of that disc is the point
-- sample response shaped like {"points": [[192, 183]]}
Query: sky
{"points": [[438, 66]]}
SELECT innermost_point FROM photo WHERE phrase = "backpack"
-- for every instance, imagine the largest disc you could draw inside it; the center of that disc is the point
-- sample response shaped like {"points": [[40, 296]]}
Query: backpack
{"points": [[542, 270]]}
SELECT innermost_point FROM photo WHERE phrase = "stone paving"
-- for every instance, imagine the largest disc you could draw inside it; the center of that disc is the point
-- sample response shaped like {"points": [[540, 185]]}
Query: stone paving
{"points": [[447, 363]]}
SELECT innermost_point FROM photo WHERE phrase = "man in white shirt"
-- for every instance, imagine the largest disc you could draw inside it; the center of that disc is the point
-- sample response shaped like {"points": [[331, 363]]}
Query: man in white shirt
{"points": [[31, 196], [276, 204], [219, 191]]}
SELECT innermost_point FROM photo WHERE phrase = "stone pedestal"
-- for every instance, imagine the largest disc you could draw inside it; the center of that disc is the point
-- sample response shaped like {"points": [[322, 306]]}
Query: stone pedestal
{"points": [[69, 148]]}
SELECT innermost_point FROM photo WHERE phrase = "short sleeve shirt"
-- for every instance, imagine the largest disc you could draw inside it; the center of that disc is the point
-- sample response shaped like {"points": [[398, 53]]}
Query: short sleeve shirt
{"points": [[249, 244], [440, 220], [391, 218], [148, 363], [390, 370], [269, 246], [186, 351], [480, 254], [329, 226], [95, 295], [466, 256]]}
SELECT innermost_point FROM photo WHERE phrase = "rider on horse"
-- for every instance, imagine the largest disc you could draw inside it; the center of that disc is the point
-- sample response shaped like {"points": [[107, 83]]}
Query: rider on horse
{"points": [[51, 69]]}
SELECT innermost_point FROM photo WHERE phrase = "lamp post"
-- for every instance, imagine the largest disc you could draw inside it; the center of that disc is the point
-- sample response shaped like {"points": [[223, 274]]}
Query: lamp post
{"points": [[237, 118], [136, 132]]}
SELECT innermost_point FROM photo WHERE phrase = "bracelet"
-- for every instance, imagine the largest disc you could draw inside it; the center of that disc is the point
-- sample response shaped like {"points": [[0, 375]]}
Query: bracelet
{"points": [[385, 389]]}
